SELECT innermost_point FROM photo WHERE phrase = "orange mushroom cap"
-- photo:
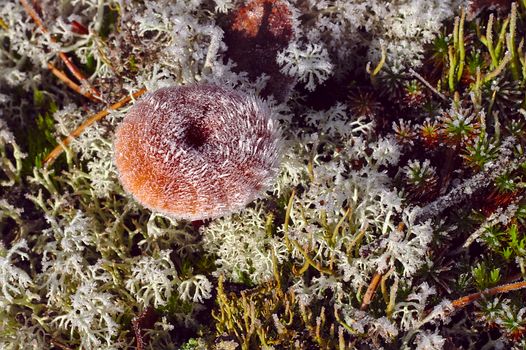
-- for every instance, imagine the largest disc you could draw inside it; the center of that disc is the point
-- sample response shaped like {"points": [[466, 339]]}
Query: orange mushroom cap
{"points": [[196, 152]]}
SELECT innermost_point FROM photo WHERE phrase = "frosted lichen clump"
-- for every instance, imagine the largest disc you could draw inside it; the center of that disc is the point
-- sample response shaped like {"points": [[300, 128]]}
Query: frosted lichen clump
{"points": [[197, 152], [311, 65], [262, 174]]}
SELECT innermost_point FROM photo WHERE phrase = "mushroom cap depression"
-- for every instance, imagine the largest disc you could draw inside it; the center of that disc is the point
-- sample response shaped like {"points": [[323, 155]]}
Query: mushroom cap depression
{"points": [[197, 151]]}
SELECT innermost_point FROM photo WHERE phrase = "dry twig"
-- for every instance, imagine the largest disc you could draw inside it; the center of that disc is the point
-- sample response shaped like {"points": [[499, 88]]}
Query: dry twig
{"points": [[468, 299], [70, 83], [371, 290], [57, 151], [93, 93]]}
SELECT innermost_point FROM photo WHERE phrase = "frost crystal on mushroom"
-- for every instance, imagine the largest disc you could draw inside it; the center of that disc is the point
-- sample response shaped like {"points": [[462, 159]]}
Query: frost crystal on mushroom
{"points": [[197, 152]]}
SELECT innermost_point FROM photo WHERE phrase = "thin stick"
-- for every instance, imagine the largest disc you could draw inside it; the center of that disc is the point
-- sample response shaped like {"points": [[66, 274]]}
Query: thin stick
{"points": [[78, 74], [34, 15], [311, 262], [72, 68], [70, 83], [59, 345], [426, 83], [371, 290], [468, 299], [57, 151]]}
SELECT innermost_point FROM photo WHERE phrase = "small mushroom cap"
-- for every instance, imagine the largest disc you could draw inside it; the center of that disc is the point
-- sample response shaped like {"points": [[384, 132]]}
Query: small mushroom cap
{"points": [[198, 151]]}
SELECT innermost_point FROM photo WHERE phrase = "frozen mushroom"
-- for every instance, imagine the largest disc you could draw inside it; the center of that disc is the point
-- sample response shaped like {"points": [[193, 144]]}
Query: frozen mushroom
{"points": [[198, 151]]}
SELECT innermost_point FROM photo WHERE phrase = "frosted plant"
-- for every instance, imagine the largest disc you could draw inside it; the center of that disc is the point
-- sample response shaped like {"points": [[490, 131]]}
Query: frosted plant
{"points": [[336, 122], [14, 281], [302, 293], [335, 254], [404, 132], [61, 270], [310, 64], [465, 189], [165, 233], [65, 258], [224, 5], [195, 289], [160, 226], [15, 336], [320, 285], [243, 246], [407, 246], [152, 279], [412, 311], [171, 28], [198, 151], [78, 233], [67, 119], [401, 28], [96, 149], [93, 315], [429, 341], [160, 335], [223, 73], [11, 157], [462, 124], [292, 172], [157, 78], [20, 48], [419, 173], [406, 28], [500, 216], [361, 322], [512, 319], [386, 152]]}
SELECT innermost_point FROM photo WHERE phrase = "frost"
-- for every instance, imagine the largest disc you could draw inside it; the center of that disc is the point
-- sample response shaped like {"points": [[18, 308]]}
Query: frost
{"points": [[310, 65], [412, 311], [78, 233], [243, 246], [93, 315], [311, 203], [361, 322], [223, 5], [407, 246], [153, 279], [386, 152], [401, 28], [336, 122], [291, 173], [14, 281], [429, 341], [461, 191], [195, 289]]}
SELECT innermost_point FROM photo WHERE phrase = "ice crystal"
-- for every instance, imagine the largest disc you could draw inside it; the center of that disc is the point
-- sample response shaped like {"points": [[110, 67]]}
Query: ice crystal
{"points": [[197, 152], [78, 233]]}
